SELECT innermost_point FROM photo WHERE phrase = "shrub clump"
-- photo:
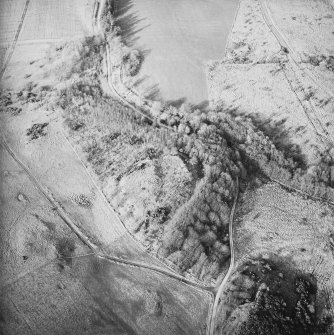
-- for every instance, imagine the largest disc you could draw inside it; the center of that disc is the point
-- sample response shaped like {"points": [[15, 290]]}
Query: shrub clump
{"points": [[37, 130]]}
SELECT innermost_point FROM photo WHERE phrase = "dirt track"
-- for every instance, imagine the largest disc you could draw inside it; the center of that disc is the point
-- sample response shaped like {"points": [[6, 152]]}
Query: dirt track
{"points": [[178, 38]]}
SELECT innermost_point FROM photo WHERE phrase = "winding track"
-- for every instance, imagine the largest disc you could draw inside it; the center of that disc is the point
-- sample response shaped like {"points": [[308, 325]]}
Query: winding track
{"points": [[211, 329]]}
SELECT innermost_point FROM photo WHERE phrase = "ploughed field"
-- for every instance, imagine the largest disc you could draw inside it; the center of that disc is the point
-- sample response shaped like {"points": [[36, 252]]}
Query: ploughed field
{"points": [[177, 39]]}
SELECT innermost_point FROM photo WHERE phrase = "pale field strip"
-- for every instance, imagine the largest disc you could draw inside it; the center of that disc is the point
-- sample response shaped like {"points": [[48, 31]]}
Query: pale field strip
{"points": [[58, 166], [51, 19], [3, 51], [10, 16]]}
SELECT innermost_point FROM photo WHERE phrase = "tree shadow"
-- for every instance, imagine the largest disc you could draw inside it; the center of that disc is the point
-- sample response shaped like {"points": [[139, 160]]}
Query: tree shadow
{"points": [[177, 103], [131, 25], [129, 22], [152, 92], [203, 106]]}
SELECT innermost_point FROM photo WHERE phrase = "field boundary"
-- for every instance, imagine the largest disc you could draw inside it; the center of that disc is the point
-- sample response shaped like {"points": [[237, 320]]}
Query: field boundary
{"points": [[211, 328], [300, 191], [231, 29], [12, 47]]}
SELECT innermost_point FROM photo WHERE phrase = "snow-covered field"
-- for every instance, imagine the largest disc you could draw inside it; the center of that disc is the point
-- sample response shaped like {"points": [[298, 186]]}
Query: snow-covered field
{"points": [[178, 38]]}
